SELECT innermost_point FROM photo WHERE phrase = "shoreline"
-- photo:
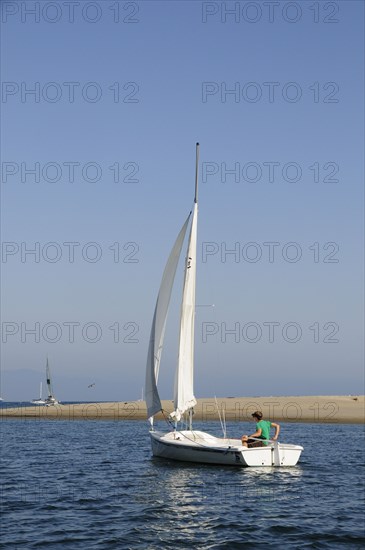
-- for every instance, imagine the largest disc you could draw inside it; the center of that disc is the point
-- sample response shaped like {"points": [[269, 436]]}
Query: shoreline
{"points": [[343, 409]]}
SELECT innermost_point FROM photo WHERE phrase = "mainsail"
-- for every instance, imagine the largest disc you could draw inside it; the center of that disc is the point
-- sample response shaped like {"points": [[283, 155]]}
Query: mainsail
{"points": [[184, 393], [153, 401]]}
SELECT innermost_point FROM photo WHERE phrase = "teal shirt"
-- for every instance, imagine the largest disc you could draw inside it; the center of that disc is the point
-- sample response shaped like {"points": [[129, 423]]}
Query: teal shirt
{"points": [[264, 426]]}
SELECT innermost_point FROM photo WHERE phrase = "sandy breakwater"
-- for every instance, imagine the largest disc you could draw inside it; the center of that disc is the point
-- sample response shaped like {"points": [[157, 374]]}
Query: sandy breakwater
{"points": [[333, 409]]}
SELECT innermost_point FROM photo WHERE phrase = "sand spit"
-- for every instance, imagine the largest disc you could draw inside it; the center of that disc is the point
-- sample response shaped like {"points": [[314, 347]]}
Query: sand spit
{"points": [[317, 409]]}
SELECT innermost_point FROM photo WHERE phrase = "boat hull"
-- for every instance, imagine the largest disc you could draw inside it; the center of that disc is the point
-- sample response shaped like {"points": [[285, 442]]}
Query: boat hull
{"points": [[200, 447]]}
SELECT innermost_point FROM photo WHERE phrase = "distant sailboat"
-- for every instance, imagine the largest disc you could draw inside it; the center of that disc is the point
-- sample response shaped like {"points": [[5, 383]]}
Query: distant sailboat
{"points": [[40, 400], [51, 400], [187, 444]]}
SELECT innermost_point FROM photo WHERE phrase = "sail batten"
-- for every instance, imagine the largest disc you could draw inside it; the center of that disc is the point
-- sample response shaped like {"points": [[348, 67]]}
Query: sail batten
{"points": [[152, 397]]}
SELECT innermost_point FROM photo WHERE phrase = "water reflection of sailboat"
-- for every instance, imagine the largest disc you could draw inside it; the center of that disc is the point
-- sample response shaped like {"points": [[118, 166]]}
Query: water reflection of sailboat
{"points": [[192, 445]]}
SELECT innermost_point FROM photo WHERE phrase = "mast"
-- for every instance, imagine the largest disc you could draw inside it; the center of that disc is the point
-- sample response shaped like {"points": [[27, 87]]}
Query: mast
{"points": [[184, 399], [196, 202], [196, 173]]}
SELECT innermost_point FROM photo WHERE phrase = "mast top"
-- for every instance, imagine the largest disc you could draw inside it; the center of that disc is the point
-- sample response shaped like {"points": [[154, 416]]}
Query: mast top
{"points": [[196, 173]]}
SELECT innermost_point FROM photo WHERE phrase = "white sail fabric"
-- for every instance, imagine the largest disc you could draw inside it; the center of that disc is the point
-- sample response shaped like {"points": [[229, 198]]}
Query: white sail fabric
{"points": [[153, 401], [184, 392]]}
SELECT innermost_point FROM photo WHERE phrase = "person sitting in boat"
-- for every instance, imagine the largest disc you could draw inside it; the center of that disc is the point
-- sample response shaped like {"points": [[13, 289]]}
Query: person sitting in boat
{"points": [[262, 432]]}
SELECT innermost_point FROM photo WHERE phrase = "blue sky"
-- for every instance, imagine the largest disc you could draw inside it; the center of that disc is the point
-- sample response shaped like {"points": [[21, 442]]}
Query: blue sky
{"points": [[135, 95]]}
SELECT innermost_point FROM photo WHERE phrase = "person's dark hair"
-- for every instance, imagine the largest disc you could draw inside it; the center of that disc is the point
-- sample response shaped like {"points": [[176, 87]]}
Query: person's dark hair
{"points": [[257, 414]]}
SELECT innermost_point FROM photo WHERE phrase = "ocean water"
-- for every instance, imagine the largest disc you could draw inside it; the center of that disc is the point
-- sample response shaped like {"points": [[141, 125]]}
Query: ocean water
{"points": [[94, 485]]}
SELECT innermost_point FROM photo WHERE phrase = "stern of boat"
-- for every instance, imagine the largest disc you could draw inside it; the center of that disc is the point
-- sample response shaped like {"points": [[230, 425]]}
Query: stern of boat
{"points": [[277, 454]]}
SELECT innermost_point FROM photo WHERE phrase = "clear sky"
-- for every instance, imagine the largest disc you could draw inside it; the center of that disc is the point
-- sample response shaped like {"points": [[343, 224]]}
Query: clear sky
{"points": [[101, 106]]}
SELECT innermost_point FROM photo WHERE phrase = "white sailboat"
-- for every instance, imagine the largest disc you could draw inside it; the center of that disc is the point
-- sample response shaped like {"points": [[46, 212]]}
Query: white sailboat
{"points": [[50, 400], [40, 400], [191, 445]]}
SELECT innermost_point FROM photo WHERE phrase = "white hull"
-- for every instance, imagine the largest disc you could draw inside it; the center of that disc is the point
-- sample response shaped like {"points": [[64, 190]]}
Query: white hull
{"points": [[197, 446], [38, 402]]}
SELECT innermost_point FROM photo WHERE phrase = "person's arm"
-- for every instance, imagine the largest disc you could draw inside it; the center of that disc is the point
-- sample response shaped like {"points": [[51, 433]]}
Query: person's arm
{"points": [[277, 430], [257, 433]]}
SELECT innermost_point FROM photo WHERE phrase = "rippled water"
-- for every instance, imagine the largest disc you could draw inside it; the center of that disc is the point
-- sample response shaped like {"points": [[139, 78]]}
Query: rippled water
{"points": [[94, 485]]}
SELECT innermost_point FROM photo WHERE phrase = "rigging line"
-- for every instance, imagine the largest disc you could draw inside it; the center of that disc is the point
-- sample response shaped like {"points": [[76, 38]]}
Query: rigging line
{"points": [[219, 414], [224, 422], [166, 418]]}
